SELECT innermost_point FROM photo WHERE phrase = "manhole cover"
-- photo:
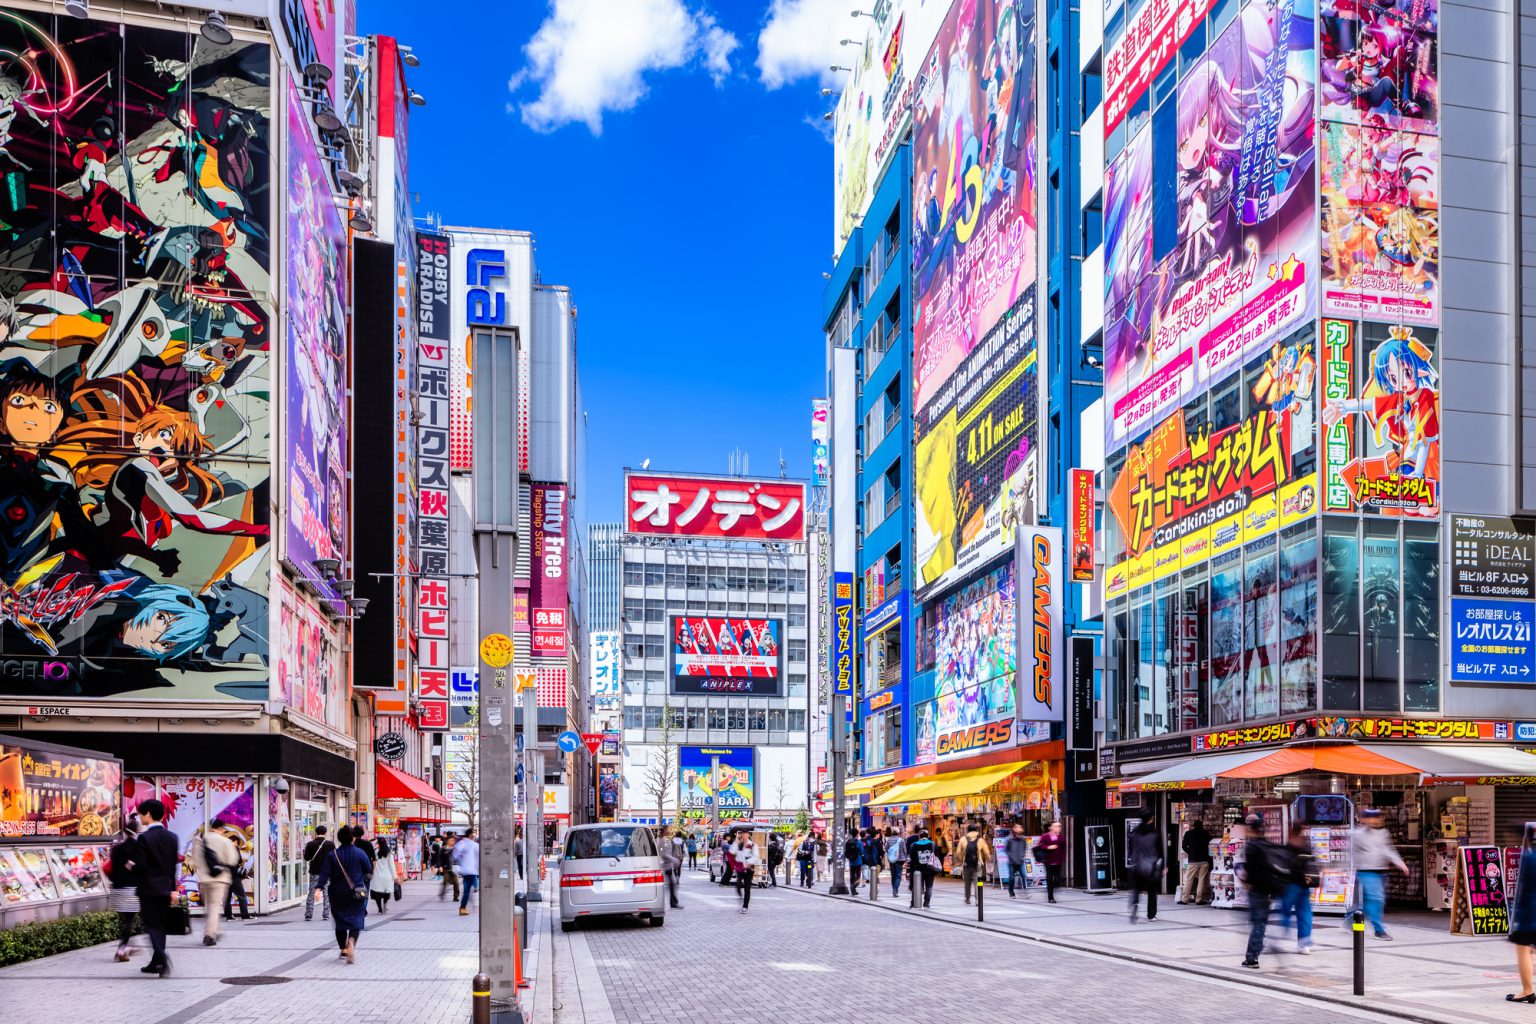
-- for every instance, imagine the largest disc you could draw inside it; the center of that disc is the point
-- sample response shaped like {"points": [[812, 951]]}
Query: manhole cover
{"points": [[256, 979]]}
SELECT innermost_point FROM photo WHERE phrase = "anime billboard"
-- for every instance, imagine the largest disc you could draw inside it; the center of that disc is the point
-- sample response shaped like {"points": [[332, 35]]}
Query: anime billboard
{"points": [[135, 328], [1209, 220], [974, 189], [316, 376]]}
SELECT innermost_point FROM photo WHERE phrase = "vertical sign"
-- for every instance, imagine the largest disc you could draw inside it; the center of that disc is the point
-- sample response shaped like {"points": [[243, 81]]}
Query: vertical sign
{"points": [[1338, 439], [1480, 905], [821, 438], [1038, 571], [842, 636], [822, 542], [1082, 693], [548, 592], [604, 663], [432, 668], [1083, 540]]}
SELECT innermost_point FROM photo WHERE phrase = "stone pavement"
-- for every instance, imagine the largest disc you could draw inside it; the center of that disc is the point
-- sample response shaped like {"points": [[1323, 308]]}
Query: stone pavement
{"points": [[1424, 974], [414, 965], [808, 960]]}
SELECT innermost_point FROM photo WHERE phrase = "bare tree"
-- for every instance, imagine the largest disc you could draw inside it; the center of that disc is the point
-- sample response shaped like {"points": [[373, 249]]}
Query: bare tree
{"points": [[660, 780], [465, 772], [780, 792]]}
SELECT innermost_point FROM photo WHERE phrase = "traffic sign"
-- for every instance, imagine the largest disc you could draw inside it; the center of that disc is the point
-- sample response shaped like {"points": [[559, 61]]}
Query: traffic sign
{"points": [[593, 740], [568, 741]]}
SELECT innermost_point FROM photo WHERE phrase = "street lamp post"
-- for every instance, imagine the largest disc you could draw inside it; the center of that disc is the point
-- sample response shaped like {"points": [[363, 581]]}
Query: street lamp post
{"points": [[839, 770]]}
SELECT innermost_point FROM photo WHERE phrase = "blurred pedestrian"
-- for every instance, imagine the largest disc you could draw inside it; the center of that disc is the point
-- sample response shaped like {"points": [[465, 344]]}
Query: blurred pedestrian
{"points": [[1522, 918], [896, 857], [1302, 878], [347, 872], [775, 858], [445, 862], [691, 845], [159, 850], [1197, 871], [124, 900], [1146, 856], [1016, 850], [1265, 873], [925, 863], [806, 857], [1051, 850], [671, 866], [823, 858], [239, 871], [973, 856], [1371, 848], [874, 860], [315, 851], [381, 885], [214, 857], [466, 863], [853, 859], [748, 859]]}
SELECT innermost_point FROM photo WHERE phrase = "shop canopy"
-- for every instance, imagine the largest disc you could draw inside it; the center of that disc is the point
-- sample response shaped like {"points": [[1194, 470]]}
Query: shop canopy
{"points": [[393, 784], [949, 785], [1338, 758], [858, 787], [1463, 765]]}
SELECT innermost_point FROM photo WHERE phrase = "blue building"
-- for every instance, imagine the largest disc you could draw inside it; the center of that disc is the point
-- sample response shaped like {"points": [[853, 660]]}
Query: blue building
{"points": [[868, 307]]}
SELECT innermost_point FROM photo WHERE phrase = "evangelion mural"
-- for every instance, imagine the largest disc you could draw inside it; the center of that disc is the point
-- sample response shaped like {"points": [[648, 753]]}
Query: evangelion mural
{"points": [[134, 340], [1210, 219]]}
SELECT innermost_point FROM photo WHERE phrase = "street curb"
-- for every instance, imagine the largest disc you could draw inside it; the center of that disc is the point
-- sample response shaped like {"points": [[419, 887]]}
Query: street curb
{"points": [[1252, 981]]}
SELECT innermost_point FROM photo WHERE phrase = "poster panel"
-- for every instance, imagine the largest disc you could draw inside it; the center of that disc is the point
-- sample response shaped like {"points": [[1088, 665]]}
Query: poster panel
{"points": [[1491, 641], [1210, 220], [976, 659], [726, 656], [606, 670], [696, 790], [50, 793]]}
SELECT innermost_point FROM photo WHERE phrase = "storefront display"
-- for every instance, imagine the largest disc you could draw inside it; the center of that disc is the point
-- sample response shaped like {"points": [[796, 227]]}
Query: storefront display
{"points": [[52, 792]]}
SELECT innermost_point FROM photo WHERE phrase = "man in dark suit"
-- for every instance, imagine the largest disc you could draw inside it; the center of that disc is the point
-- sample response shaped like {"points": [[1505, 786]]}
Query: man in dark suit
{"points": [[158, 852]]}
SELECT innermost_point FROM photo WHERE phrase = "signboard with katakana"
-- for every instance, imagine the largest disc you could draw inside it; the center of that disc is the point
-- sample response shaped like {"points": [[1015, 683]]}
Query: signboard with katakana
{"points": [[1491, 641], [1493, 556], [604, 665], [717, 508]]}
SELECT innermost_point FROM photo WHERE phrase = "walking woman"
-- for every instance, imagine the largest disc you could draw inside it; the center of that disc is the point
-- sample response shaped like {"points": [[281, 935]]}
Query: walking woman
{"points": [[1522, 920], [925, 864], [347, 872], [124, 901], [383, 884], [748, 859], [823, 853]]}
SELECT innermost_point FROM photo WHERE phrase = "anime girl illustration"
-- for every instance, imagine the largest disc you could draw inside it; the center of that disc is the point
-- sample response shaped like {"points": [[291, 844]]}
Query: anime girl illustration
{"points": [[1286, 382], [1210, 133], [1401, 402], [1380, 164]]}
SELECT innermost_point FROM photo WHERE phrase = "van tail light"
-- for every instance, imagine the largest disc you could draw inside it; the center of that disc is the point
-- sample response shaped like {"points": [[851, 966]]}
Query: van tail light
{"points": [[649, 878], [575, 882]]}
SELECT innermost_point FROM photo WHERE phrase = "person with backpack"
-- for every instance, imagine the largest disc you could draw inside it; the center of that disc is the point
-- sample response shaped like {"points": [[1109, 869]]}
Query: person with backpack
{"points": [[1296, 903], [1265, 872], [874, 860], [1146, 857], [315, 851], [924, 863], [806, 858], [727, 859], [896, 857], [214, 856], [775, 858], [973, 855], [853, 857]]}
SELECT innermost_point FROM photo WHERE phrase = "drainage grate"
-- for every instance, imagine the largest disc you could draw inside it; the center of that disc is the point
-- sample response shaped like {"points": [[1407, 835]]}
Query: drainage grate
{"points": [[256, 979]]}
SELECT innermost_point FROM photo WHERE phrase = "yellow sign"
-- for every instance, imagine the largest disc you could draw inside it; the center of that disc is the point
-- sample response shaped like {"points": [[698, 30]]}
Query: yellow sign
{"points": [[496, 650], [525, 680]]}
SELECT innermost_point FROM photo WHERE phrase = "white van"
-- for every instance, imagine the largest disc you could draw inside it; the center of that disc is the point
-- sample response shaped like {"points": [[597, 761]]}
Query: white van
{"points": [[610, 869]]}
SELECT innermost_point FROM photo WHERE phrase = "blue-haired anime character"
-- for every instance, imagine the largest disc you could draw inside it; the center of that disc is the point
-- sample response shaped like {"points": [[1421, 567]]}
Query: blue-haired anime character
{"points": [[169, 623]]}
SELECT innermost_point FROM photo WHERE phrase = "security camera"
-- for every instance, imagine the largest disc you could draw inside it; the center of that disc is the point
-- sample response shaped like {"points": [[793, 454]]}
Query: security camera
{"points": [[1093, 361]]}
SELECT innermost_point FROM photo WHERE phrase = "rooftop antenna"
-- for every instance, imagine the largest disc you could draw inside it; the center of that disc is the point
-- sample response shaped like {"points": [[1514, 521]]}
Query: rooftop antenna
{"points": [[783, 466]]}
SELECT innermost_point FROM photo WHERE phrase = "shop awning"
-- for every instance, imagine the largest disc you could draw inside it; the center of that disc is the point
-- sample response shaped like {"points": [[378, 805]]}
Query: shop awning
{"points": [[1342, 759], [393, 784], [858, 787], [1463, 765], [949, 785], [1195, 773]]}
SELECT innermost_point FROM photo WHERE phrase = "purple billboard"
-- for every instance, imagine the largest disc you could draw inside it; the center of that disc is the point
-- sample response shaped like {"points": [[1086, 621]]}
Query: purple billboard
{"points": [[317, 357]]}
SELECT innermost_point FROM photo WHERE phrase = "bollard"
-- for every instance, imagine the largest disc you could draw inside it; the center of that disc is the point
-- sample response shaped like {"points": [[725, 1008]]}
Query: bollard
{"points": [[480, 991], [520, 917], [981, 894], [912, 884], [1358, 927]]}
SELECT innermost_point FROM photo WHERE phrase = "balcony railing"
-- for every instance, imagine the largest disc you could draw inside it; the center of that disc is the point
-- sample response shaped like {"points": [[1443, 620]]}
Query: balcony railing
{"points": [[892, 419], [892, 503]]}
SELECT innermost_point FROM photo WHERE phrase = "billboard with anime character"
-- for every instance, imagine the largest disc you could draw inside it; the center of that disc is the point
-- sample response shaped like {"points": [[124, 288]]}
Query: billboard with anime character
{"points": [[135, 329], [1210, 220]]}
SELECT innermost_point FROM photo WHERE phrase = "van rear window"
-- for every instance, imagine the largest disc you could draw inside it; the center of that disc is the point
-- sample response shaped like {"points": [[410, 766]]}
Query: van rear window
{"points": [[617, 841]]}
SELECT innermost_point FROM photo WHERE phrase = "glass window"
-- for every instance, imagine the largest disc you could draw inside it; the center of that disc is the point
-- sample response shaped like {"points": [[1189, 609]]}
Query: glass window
{"points": [[717, 577], [797, 581], [717, 718], [873, 747], [796, 685], [738, 608], [1226, 640], [1194, 655], [655, 611], [678, 719], [1381, 619], [1421, 617], [1298, 621], [634, 717], [609, 841], [695, 718], [634, 609], [757, 719], [655, 683], [654, 648], [737, 575], [634, 646], [655, 574], [797, 720], [1115, 698], [797, 651], [893, 737], [653, 717], [696, 578], [777, 583], [676, 575], [757, 577], [776, 719], [1164, 654], [1138, 662], [737, 717], [634, 574], [1261, 631], [797, 615], [1341, 616], [719, 607]]}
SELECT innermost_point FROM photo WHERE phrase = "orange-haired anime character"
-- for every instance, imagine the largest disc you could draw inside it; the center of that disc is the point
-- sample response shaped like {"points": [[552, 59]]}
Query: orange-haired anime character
{"points": [[141, 458]]}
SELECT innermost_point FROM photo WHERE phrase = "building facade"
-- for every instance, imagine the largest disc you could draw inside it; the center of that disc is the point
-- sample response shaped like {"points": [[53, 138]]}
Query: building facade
{"points": [[604, 561]]}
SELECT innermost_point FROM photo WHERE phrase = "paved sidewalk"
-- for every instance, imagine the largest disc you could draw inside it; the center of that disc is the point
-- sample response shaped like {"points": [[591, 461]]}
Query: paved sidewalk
{"points": [[1424, 974], [414, 964]]}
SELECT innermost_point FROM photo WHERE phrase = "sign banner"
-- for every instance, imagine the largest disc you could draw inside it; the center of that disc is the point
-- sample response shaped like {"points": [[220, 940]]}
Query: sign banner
{"points": [[842, 634], [548, 594], [1493, 556], [1083, 524], [464, 686], [821, 441], [736, 780], [1370, 730], [607, 669], [1151, 40], [717, 508], [432, 668], [1480, 904], [718, 655], [1042, 629], [1081, 737], [50, 793], [1491, 641], [1101, 859]]}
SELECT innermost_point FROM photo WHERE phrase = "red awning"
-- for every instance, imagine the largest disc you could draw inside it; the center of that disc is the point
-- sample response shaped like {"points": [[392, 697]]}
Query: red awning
{"points": [[393, 784]]}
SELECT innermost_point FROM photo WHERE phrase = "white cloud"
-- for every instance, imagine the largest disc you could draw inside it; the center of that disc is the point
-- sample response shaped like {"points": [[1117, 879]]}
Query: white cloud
{"points": [[800, 39], [591, 56]]}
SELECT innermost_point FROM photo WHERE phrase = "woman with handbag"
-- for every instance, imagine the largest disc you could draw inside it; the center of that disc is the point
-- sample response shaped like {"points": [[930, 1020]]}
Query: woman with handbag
{"points": [[347, 873], [925, 864], [383, 884]]}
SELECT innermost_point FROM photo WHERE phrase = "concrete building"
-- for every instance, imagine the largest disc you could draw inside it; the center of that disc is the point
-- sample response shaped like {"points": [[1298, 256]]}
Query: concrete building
{"points": [[604, 560]]}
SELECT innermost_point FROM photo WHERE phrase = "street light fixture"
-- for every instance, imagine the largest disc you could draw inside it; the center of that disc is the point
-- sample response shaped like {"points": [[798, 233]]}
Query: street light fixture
{"points": [[216, 30], [838, 67]]}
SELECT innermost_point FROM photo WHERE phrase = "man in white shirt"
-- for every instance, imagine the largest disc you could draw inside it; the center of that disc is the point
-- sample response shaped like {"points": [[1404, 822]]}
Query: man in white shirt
{"points": [[466, 863]]}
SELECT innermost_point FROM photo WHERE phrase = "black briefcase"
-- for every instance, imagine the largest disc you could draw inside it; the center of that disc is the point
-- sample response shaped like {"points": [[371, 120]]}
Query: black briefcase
{"points": [[178, 920]]}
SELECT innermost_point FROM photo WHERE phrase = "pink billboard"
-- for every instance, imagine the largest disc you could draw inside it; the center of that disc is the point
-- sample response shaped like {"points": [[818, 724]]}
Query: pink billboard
{"points": [[549, 597]]}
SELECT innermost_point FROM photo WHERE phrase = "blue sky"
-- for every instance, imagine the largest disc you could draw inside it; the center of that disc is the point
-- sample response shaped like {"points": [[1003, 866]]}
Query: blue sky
{"points": [[668, 157]]}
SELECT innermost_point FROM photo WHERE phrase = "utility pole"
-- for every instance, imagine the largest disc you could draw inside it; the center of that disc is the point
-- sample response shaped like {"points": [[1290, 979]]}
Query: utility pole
{"points": [[839, 770]]}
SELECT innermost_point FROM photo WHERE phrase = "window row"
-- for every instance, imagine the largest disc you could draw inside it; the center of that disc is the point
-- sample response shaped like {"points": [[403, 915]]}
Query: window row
{"points": [[759, 579], [638, 611], [718, 719], [637, 682]]}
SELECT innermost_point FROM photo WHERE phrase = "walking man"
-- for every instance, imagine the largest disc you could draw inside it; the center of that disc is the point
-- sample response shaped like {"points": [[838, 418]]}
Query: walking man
{"points": [[874, 858], [158, 850], [466, 862], [445, 861], [671, 865], [1051, 851], [1017, 851], [974, 857], [214, 856], [1374, 855], [853, 856], [775, 858], [1197, 872], [806, 857], [1265, 871], [692, 846], [896, 858], [315, 852]]}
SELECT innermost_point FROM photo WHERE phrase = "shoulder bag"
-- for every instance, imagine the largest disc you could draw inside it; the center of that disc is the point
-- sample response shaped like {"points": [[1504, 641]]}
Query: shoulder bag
{"points": [[358, 893]]}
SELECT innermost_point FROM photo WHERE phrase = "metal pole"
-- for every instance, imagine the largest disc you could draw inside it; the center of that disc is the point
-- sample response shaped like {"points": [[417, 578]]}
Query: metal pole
{"points": [[480, 992], [981, 895], [1357, 925], [533, 797], [714, 797], [839, 769], [497, 800]]}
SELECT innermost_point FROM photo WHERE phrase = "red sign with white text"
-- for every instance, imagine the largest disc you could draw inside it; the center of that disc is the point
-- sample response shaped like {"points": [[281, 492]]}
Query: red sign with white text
{"points": [[726, 508], [1082, 526], [549, 631], [1151, 40]]}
